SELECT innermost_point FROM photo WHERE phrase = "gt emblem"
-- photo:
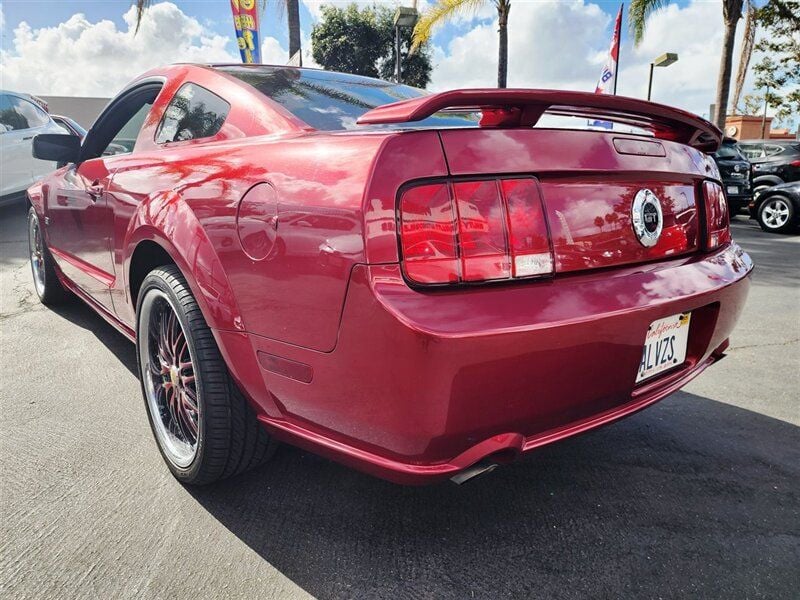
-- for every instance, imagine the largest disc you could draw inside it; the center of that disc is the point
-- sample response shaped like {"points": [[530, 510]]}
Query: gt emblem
{"points": [[647, 218]]}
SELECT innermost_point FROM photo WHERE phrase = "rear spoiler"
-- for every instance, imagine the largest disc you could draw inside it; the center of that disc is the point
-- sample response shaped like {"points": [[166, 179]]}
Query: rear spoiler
{"points": [[524, 108]]}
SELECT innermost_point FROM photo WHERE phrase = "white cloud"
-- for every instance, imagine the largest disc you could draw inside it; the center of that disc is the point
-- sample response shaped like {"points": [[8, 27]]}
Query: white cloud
{"points": [[551, 44], [563, 44], [82, 58], [694, 32], [272, 53]]}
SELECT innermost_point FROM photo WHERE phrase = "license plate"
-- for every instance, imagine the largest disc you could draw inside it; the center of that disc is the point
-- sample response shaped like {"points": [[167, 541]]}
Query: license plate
{"points": [[732, 189], [664, 345]]}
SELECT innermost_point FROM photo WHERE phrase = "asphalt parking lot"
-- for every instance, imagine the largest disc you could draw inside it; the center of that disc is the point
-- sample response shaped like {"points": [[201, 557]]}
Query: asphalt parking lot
{"points": [[698, 496]]}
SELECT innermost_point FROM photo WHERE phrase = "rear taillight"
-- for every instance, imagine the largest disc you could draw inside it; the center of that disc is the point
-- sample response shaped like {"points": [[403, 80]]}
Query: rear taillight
{"points": [[717, 219], [476, 230]]}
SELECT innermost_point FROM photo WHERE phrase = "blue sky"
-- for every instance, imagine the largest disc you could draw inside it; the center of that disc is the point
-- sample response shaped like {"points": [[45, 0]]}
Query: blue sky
{"points": [[213, 13], [558, 44]]}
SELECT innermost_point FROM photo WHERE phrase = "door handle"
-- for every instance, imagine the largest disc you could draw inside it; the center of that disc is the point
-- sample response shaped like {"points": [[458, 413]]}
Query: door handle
{"points": [[95, 191], [30, 137]]}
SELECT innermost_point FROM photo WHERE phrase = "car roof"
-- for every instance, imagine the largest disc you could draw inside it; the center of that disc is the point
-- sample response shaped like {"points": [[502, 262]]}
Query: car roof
{"points": [[20, 94], [315, 73], [776, 142]]}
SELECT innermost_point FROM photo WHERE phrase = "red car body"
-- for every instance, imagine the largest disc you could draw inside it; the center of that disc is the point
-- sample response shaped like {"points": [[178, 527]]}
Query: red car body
{"points": [[289, 240]]}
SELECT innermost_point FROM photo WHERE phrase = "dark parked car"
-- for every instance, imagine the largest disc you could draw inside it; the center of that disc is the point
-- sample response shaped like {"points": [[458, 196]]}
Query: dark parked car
{"points": [[774, 162], [71, 126], [736, 175], [777, 209]]}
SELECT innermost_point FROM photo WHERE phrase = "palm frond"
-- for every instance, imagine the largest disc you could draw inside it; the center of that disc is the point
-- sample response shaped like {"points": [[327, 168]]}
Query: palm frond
{"points": [[438, 14], [638, 13], [141, 5], [280, 7]]}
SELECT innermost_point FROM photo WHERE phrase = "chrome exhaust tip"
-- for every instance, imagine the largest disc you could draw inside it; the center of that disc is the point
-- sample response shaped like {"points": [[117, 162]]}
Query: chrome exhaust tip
{"points": [[471, 472]]}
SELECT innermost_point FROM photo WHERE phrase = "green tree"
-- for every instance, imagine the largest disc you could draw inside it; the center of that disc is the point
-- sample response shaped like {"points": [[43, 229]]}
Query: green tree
{"points": [[292, 8], [362, 42], [639, 12], [778, 71], [443, 10]]}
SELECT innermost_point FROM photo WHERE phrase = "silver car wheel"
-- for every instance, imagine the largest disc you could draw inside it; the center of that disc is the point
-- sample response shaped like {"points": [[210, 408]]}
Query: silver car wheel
{"points": [[775, 213], [169, 378]]}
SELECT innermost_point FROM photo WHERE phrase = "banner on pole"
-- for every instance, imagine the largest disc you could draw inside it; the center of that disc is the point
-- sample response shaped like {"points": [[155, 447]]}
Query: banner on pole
{"points": [[245, 22], [608, 78]]}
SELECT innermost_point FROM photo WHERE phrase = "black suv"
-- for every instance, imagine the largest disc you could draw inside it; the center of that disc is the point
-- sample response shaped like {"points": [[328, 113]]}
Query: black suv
{"points": [[774, 162], [736, 175]]}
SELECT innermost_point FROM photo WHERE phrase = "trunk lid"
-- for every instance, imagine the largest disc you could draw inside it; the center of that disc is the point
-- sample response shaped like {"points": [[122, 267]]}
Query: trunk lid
{"points": [[609, 198], [589, 182]]}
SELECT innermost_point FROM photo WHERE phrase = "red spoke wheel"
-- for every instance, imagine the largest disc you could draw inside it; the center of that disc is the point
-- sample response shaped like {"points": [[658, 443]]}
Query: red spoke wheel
{"points": [[204, 427]]}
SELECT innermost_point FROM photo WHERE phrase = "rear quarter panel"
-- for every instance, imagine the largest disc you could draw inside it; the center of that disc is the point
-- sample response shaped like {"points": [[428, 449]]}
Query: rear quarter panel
{"points": [[190, 198]]}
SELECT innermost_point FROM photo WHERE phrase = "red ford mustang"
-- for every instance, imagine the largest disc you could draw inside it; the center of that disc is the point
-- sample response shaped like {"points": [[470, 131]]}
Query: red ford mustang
{"points": [[420, 286]]}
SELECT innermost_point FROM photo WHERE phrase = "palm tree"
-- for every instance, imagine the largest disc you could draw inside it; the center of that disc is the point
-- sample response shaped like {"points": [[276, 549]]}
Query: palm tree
{"points": [[444, 9], [640, 10], [745, 53], [293, 22], [292, 8]]}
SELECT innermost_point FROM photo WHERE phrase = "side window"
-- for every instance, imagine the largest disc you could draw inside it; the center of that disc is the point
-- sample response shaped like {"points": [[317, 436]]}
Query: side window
{"points": [[119, 125], [752, 150], [8, 116], [16, 113], [772, 149], [30, 114], [193, 113], [125, 139]]}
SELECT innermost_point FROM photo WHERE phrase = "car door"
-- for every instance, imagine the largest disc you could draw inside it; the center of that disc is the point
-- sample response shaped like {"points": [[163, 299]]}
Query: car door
{"points": [[16, 138], [81, 219]]}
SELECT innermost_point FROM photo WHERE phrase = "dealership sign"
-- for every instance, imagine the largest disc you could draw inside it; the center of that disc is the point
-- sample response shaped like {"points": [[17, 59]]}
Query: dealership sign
{"points": [[245, 21]]}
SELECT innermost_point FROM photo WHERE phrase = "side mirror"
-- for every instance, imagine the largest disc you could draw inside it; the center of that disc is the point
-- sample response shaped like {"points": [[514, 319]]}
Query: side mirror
{"points": [[58, 147]]}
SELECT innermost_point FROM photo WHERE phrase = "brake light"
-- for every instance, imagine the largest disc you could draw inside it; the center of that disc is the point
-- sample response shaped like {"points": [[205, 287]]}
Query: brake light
{"points": [[717, 219], [795, 163], [476, 230], [428, 234]]}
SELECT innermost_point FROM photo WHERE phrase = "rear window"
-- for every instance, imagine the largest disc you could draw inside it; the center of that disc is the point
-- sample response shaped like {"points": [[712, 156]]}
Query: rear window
{"points": [[728, 151], [334, 101], [752, 150], [193, 113]]}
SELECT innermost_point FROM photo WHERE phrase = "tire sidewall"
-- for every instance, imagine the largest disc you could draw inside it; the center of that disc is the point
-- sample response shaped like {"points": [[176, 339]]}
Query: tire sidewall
{"points": [[153, 281]]}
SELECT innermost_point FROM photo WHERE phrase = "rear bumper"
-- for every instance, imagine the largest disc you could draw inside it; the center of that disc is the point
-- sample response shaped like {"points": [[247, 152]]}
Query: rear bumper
{"points": [[423, 385]]}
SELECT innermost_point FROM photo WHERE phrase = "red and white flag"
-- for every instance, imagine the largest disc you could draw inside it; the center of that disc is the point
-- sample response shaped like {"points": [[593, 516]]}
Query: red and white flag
{"points": [[608, 78]]}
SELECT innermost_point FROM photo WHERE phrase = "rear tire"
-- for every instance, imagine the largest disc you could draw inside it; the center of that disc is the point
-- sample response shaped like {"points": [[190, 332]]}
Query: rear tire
{"points": [[776, 214], [45, 280], [203, 425]]}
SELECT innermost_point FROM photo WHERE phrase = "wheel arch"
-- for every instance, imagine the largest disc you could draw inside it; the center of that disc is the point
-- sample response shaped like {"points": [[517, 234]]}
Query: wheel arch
{"points": [[147, 255], [166, 231], [767, 179], [770, 194]]}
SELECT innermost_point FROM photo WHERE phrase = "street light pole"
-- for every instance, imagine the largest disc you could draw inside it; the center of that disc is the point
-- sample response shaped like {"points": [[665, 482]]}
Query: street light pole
{"points": [[664, 60], [397, 74], [403, 17]]}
